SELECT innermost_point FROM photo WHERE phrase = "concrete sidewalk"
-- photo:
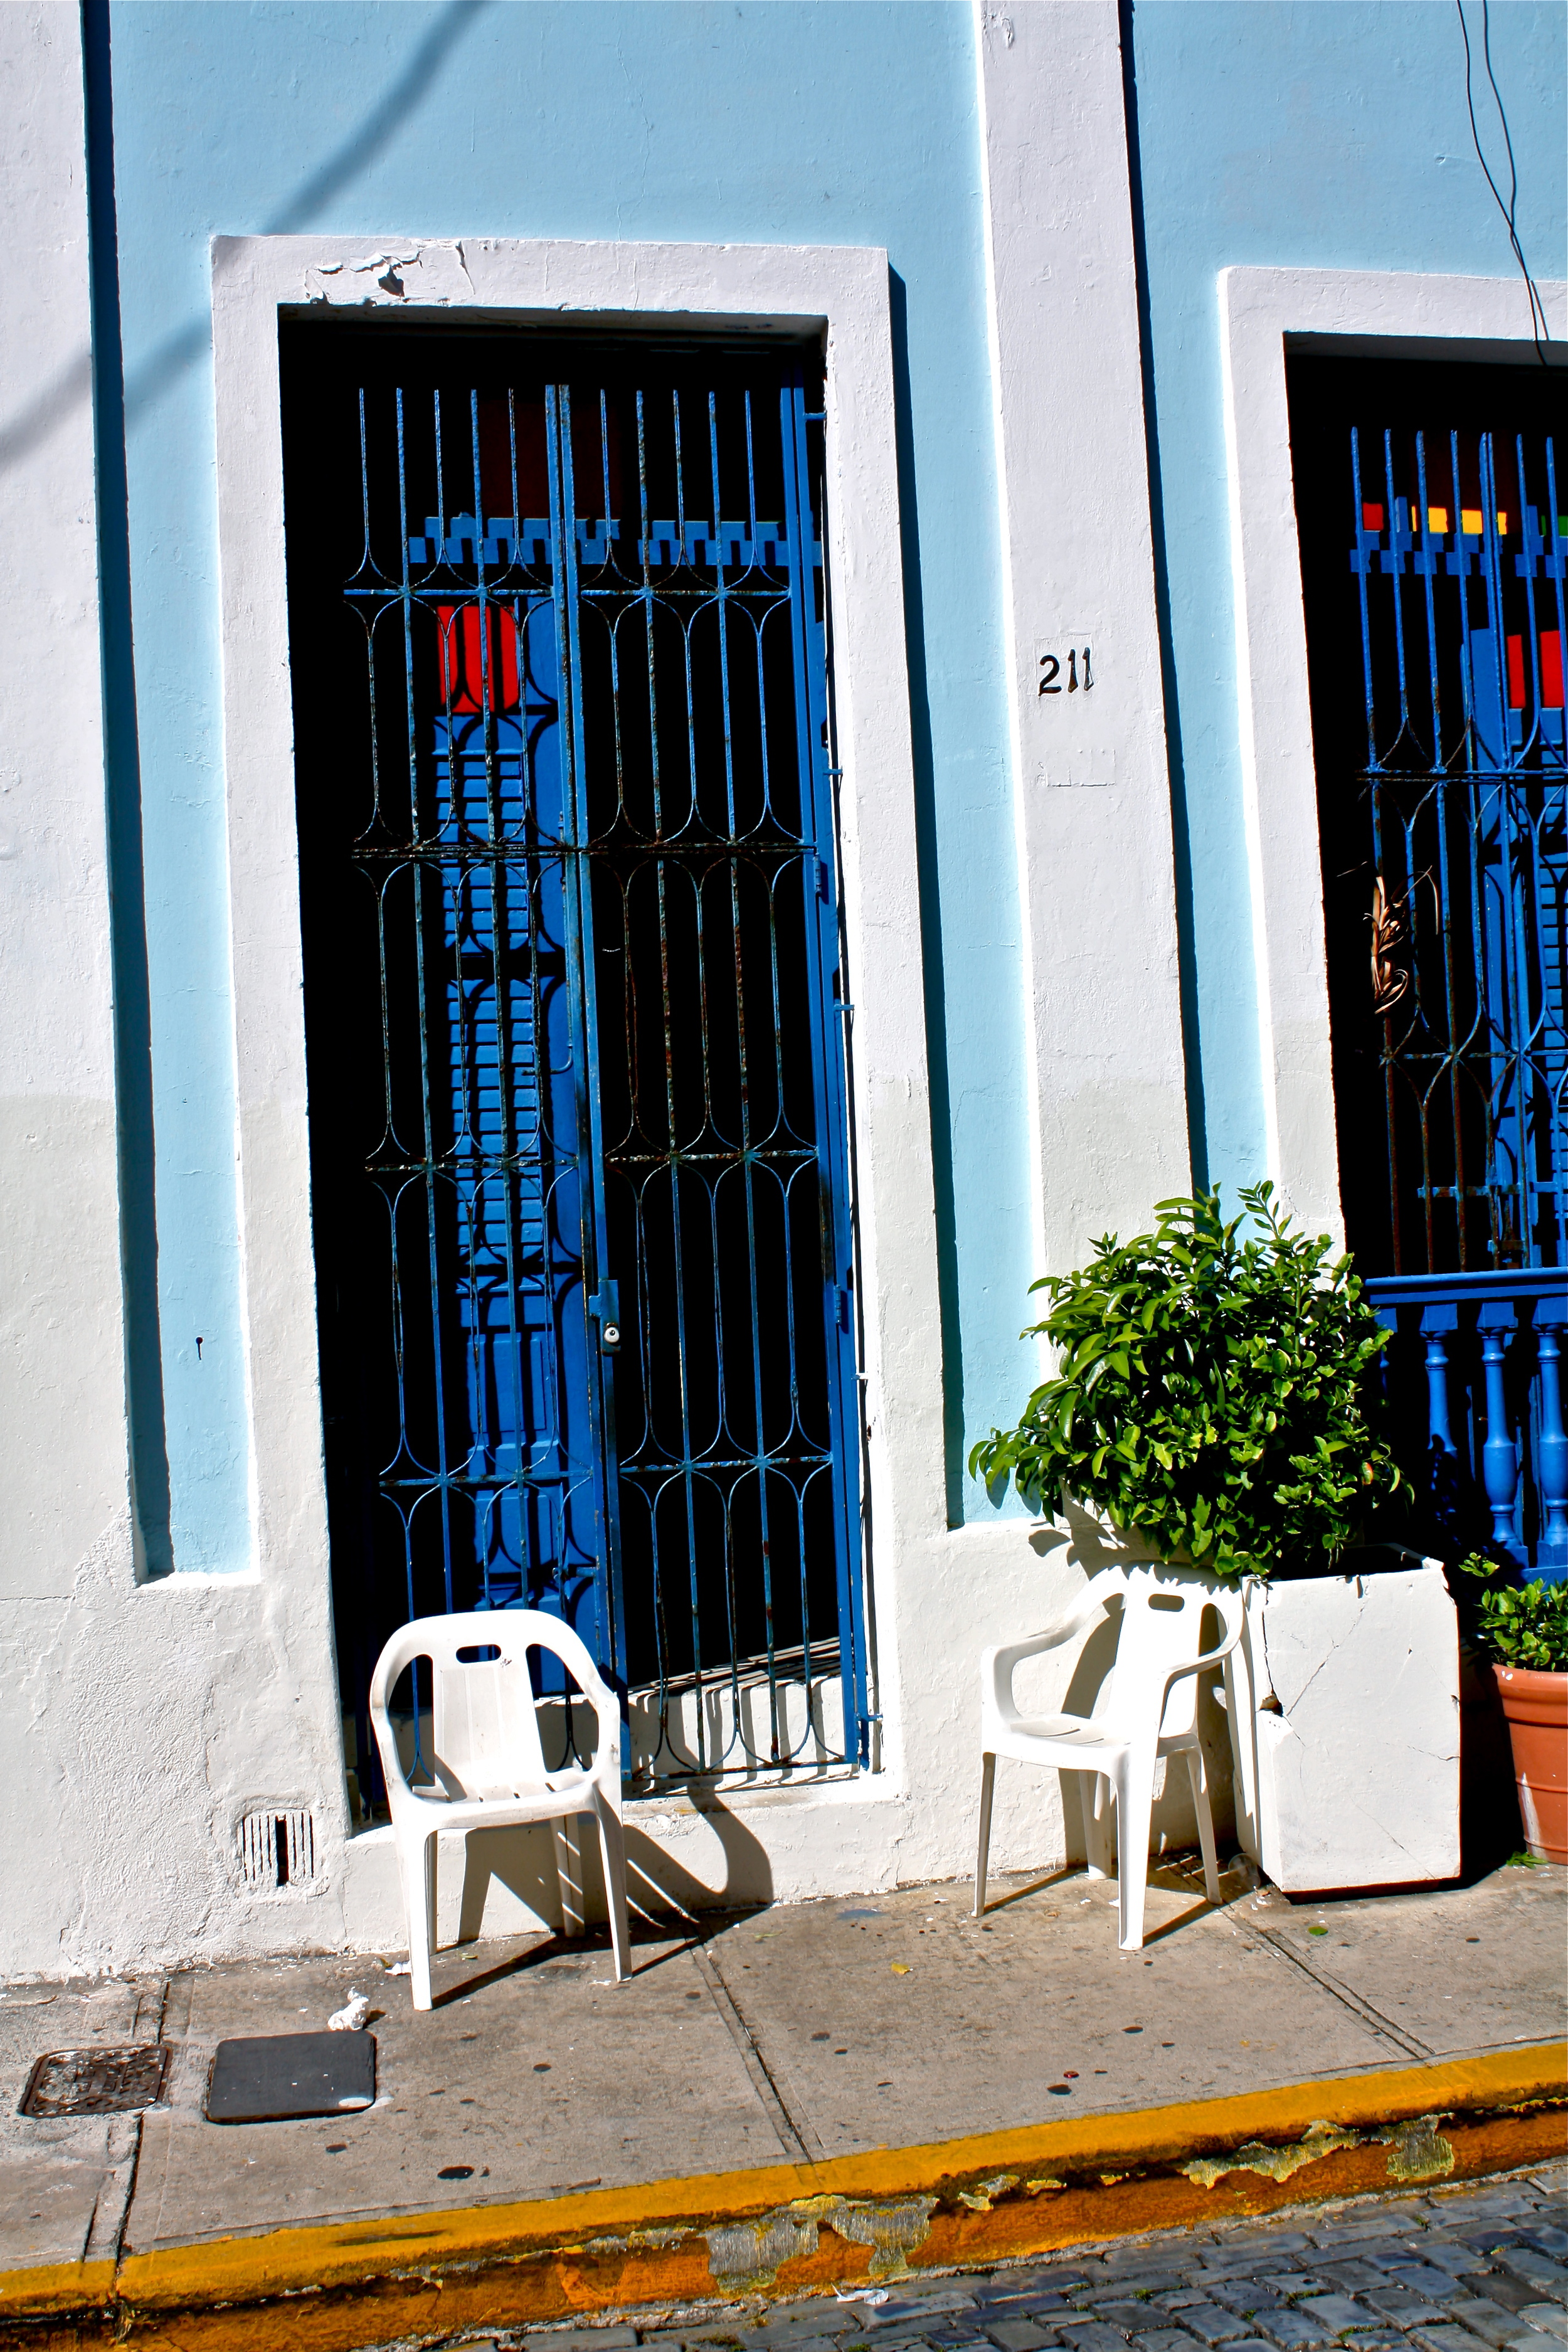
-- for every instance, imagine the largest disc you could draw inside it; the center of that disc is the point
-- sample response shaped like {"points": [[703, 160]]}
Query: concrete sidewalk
{"points": [[872, 2042]]}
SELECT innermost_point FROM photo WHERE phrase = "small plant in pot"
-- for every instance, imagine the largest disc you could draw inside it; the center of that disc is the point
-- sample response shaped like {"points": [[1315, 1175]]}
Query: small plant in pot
{"points": [[1212, 1392], [1521, 1630], [1217, 1395]]}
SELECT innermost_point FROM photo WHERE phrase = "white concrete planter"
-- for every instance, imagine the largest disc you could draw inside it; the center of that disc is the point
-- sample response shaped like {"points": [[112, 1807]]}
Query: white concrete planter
{"points": [[1343, 1697]]}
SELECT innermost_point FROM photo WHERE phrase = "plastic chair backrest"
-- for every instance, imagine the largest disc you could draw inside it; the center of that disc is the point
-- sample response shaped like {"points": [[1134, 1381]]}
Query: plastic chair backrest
{"points": [[485, 1723], [1162, 1619]]}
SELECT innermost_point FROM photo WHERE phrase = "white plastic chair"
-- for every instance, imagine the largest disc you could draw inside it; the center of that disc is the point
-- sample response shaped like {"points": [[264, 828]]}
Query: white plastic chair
{"points": [[489, 1764], [1147, 1707]]}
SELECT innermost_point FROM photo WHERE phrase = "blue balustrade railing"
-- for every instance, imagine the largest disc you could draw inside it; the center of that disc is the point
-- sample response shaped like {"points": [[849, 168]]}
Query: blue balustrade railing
{"points": [[1473, 1372]]}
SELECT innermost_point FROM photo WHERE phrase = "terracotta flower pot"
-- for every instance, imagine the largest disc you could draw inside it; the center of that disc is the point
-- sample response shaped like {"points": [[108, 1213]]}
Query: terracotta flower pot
{"points": [[1536, 1707]]}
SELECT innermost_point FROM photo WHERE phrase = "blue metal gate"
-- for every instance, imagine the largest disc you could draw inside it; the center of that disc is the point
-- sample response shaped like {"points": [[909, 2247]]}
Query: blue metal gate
{"points": [[1460, 577], [1442, 766], [582, 924]]}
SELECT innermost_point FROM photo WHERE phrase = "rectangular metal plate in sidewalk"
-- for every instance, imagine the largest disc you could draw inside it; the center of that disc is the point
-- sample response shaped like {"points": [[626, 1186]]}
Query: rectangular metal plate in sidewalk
{"points": [[96, 2082], [267, 2077]]}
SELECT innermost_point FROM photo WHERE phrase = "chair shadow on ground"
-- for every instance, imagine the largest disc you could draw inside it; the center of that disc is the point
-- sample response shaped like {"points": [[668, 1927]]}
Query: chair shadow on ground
{"points": [[670, 1909], [1178, 1874]]}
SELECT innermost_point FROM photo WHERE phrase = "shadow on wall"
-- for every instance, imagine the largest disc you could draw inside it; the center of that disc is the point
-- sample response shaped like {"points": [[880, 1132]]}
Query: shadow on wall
{"points": [[927, 866], [723, 1868], [1081, 1539], [49, 404]]}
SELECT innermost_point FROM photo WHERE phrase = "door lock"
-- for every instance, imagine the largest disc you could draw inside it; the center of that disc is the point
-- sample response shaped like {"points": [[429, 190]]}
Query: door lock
{"points": [[605, 1306]]}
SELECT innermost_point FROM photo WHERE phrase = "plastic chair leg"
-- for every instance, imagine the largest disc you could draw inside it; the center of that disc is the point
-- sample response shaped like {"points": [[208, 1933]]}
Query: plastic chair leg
{"points": [[1094, 1802], [1134, 1804], [418, 1860], [1206, 1822], [568, 1840], [613, 1851], [987, 1786]]}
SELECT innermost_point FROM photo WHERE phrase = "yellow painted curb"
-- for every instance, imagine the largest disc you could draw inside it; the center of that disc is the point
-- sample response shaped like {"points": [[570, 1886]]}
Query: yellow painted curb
{"points": [[57, 2286], [333, 2286]]}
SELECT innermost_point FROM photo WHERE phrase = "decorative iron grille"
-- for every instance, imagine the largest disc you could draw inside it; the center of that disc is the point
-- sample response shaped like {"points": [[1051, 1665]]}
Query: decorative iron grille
{"points": [[1464, 781], [1438, 715], [1446, 840], [575, 1026]]}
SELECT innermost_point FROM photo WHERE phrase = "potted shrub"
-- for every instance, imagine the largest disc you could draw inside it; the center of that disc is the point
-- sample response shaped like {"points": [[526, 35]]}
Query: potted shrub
{"points": [[1522, 1632], [1216, 1394]]}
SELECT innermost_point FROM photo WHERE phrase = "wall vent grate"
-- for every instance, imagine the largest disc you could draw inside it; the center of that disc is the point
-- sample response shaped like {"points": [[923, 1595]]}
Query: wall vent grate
{"points": [[277, 1849]]}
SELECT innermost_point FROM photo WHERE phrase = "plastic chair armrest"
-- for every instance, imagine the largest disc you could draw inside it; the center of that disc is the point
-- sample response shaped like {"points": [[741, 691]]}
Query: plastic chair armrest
{"points": [[1201, 1664], [998, 1664], [386, 1741], [606, 1767]]}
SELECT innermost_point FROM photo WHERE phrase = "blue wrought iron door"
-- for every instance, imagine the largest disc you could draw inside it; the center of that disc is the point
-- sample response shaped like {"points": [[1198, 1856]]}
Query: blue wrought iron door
{"points": [[1435, 654], [1460, 578], [605, 1358]]}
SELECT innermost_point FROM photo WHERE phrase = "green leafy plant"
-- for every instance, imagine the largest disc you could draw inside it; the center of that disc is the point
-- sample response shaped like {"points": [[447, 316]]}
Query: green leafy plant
{"points": [[1518, 1625], [1212, 1392]]}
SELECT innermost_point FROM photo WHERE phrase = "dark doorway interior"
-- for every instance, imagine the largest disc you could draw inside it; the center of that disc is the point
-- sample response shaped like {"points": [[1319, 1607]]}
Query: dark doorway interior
{"points": [[568, 888]]}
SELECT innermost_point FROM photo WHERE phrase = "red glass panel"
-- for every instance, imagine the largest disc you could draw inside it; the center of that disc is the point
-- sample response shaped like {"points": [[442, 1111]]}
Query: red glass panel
{"points": [[467, 684]]}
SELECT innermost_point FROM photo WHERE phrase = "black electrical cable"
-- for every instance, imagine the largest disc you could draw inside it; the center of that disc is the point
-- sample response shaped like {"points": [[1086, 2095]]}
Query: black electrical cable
{"points": [[1540, 332]]}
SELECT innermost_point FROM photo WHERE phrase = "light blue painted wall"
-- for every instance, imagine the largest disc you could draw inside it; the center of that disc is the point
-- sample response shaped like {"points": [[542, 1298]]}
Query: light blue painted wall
{"points": [[817, 123], [1332, 135]]}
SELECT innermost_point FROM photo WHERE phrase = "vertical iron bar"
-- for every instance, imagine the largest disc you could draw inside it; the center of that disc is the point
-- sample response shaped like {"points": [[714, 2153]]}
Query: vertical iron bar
{"points": [[1394, 561], [748, 1176], [828, 1052], [580, 922], [422, 999], [1373, 762]]}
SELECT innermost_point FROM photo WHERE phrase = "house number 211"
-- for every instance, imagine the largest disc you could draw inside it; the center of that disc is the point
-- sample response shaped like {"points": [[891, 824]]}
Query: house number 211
{"points": [[1079, 672]]}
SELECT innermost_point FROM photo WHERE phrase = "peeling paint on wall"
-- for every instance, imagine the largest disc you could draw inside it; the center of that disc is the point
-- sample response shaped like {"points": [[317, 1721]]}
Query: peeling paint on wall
{"points": [[442, 275]]}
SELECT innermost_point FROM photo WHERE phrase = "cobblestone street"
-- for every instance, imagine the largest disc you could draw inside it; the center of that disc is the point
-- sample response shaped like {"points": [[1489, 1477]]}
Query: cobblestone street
{"points": [[1445, 2271]]}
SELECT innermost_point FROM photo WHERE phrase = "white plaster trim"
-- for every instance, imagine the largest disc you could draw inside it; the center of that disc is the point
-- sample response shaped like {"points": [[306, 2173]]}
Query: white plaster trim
{"points": [[1261, 310], [62, 1368], [1097, 864], [842, 291]]}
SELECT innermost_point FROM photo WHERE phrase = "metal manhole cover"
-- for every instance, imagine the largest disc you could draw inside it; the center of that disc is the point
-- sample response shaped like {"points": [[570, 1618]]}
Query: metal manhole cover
{"points": [[96, 2082]]}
